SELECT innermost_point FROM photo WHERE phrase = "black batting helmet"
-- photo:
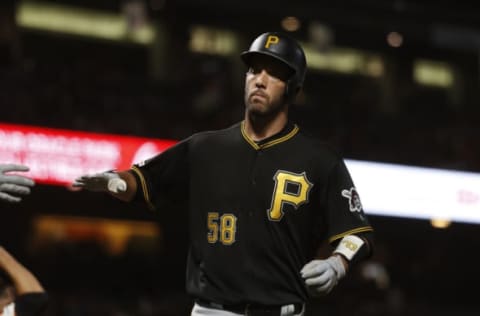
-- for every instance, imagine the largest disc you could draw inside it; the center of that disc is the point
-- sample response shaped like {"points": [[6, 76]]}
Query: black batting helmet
{"points": [[284, 49]]}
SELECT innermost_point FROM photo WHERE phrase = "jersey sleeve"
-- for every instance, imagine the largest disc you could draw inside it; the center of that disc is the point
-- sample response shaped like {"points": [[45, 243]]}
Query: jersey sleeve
{"points": [[345, 215], [163, 177]]}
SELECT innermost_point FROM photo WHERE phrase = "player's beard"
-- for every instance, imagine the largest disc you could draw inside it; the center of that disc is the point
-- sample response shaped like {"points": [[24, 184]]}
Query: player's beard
{"points": [[264, 108]]}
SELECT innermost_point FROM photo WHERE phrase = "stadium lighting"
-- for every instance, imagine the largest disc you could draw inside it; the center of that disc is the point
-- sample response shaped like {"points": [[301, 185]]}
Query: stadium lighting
{"points": [[395, 39], [113, 235], [415, 192], [440, 223], [343, 60], [212, 41], [290, 24], [433, 73], [222, 42], [57, 156], [81, 22]]}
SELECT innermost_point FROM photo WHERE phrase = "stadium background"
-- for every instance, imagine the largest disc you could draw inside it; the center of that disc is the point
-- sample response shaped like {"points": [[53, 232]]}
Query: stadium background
{"points": [[400, 85]]}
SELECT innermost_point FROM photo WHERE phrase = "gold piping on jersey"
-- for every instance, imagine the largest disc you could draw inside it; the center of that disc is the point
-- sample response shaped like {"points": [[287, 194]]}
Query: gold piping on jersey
{"points": [[270, 143], [351, 232], [144, 186]]}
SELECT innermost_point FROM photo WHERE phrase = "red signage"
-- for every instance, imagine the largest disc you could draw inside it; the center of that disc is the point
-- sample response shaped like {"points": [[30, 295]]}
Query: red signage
{"points": [[58, 156]]}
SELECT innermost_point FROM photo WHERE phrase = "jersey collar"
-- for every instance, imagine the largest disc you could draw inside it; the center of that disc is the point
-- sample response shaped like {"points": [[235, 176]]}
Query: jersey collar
{"points": [[285, 134]]}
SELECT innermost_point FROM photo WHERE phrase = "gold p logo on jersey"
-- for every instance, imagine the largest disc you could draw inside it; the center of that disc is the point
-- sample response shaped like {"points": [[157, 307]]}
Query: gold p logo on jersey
{"points": [[271, 39], [281, 194]]}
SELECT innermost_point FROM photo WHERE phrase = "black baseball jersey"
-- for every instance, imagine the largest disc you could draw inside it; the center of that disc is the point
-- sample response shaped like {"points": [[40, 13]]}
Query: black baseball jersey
{"points": [[257, 211]]}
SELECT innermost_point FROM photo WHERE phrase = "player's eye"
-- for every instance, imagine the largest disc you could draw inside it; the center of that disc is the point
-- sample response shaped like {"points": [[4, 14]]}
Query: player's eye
{"points": [[274, 70], [255, 70]]}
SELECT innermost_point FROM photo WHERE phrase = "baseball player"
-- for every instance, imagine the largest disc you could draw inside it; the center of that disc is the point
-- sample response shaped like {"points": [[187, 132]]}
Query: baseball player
{"points": [[262, 198], [13, 185], [21, 294]]}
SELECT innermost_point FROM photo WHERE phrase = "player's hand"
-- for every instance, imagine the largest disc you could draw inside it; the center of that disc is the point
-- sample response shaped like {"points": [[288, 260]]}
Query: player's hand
{"points": [[321, 276], [101, 182], [12, 185]]}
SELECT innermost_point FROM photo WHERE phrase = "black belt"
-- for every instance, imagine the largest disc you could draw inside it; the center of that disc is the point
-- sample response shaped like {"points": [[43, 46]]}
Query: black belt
{"points": [[250, 309]]}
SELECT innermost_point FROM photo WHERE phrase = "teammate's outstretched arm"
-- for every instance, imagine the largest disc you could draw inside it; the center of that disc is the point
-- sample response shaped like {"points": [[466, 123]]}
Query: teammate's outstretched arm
{"points": [[13, 185], [121, 185], [30, 298], [24, 280]]}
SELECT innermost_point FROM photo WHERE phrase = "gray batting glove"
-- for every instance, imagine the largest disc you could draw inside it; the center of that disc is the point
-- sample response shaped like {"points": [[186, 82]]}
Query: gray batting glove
{"points": [[321, 276], [101, 182], [11, 185]]}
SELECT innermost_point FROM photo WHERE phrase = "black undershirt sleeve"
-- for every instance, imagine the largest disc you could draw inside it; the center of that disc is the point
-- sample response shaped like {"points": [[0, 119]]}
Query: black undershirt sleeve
{"points": [[31, 304]]}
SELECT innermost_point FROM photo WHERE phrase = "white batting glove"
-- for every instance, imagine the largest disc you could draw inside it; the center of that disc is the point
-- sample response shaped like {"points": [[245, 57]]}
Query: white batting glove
{"points": [[14, 184], [321, 276], [101, 182]]}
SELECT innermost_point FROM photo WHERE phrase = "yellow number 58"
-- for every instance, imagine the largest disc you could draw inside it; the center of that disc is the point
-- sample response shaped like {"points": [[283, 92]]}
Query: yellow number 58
{"points": [[221, 228]]}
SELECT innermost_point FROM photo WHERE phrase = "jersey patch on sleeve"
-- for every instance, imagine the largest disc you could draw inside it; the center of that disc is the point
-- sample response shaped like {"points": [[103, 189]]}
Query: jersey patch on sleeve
{"points": [[353, 199]]}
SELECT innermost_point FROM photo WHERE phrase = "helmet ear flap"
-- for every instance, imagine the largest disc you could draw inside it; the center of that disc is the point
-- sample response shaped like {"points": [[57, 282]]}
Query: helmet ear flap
{"points": [[291, 90]]}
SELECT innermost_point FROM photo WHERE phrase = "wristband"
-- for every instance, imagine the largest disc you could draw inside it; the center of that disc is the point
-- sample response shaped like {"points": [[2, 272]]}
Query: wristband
{"points": [[349, 246], [117, 185], [9, 310]]}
